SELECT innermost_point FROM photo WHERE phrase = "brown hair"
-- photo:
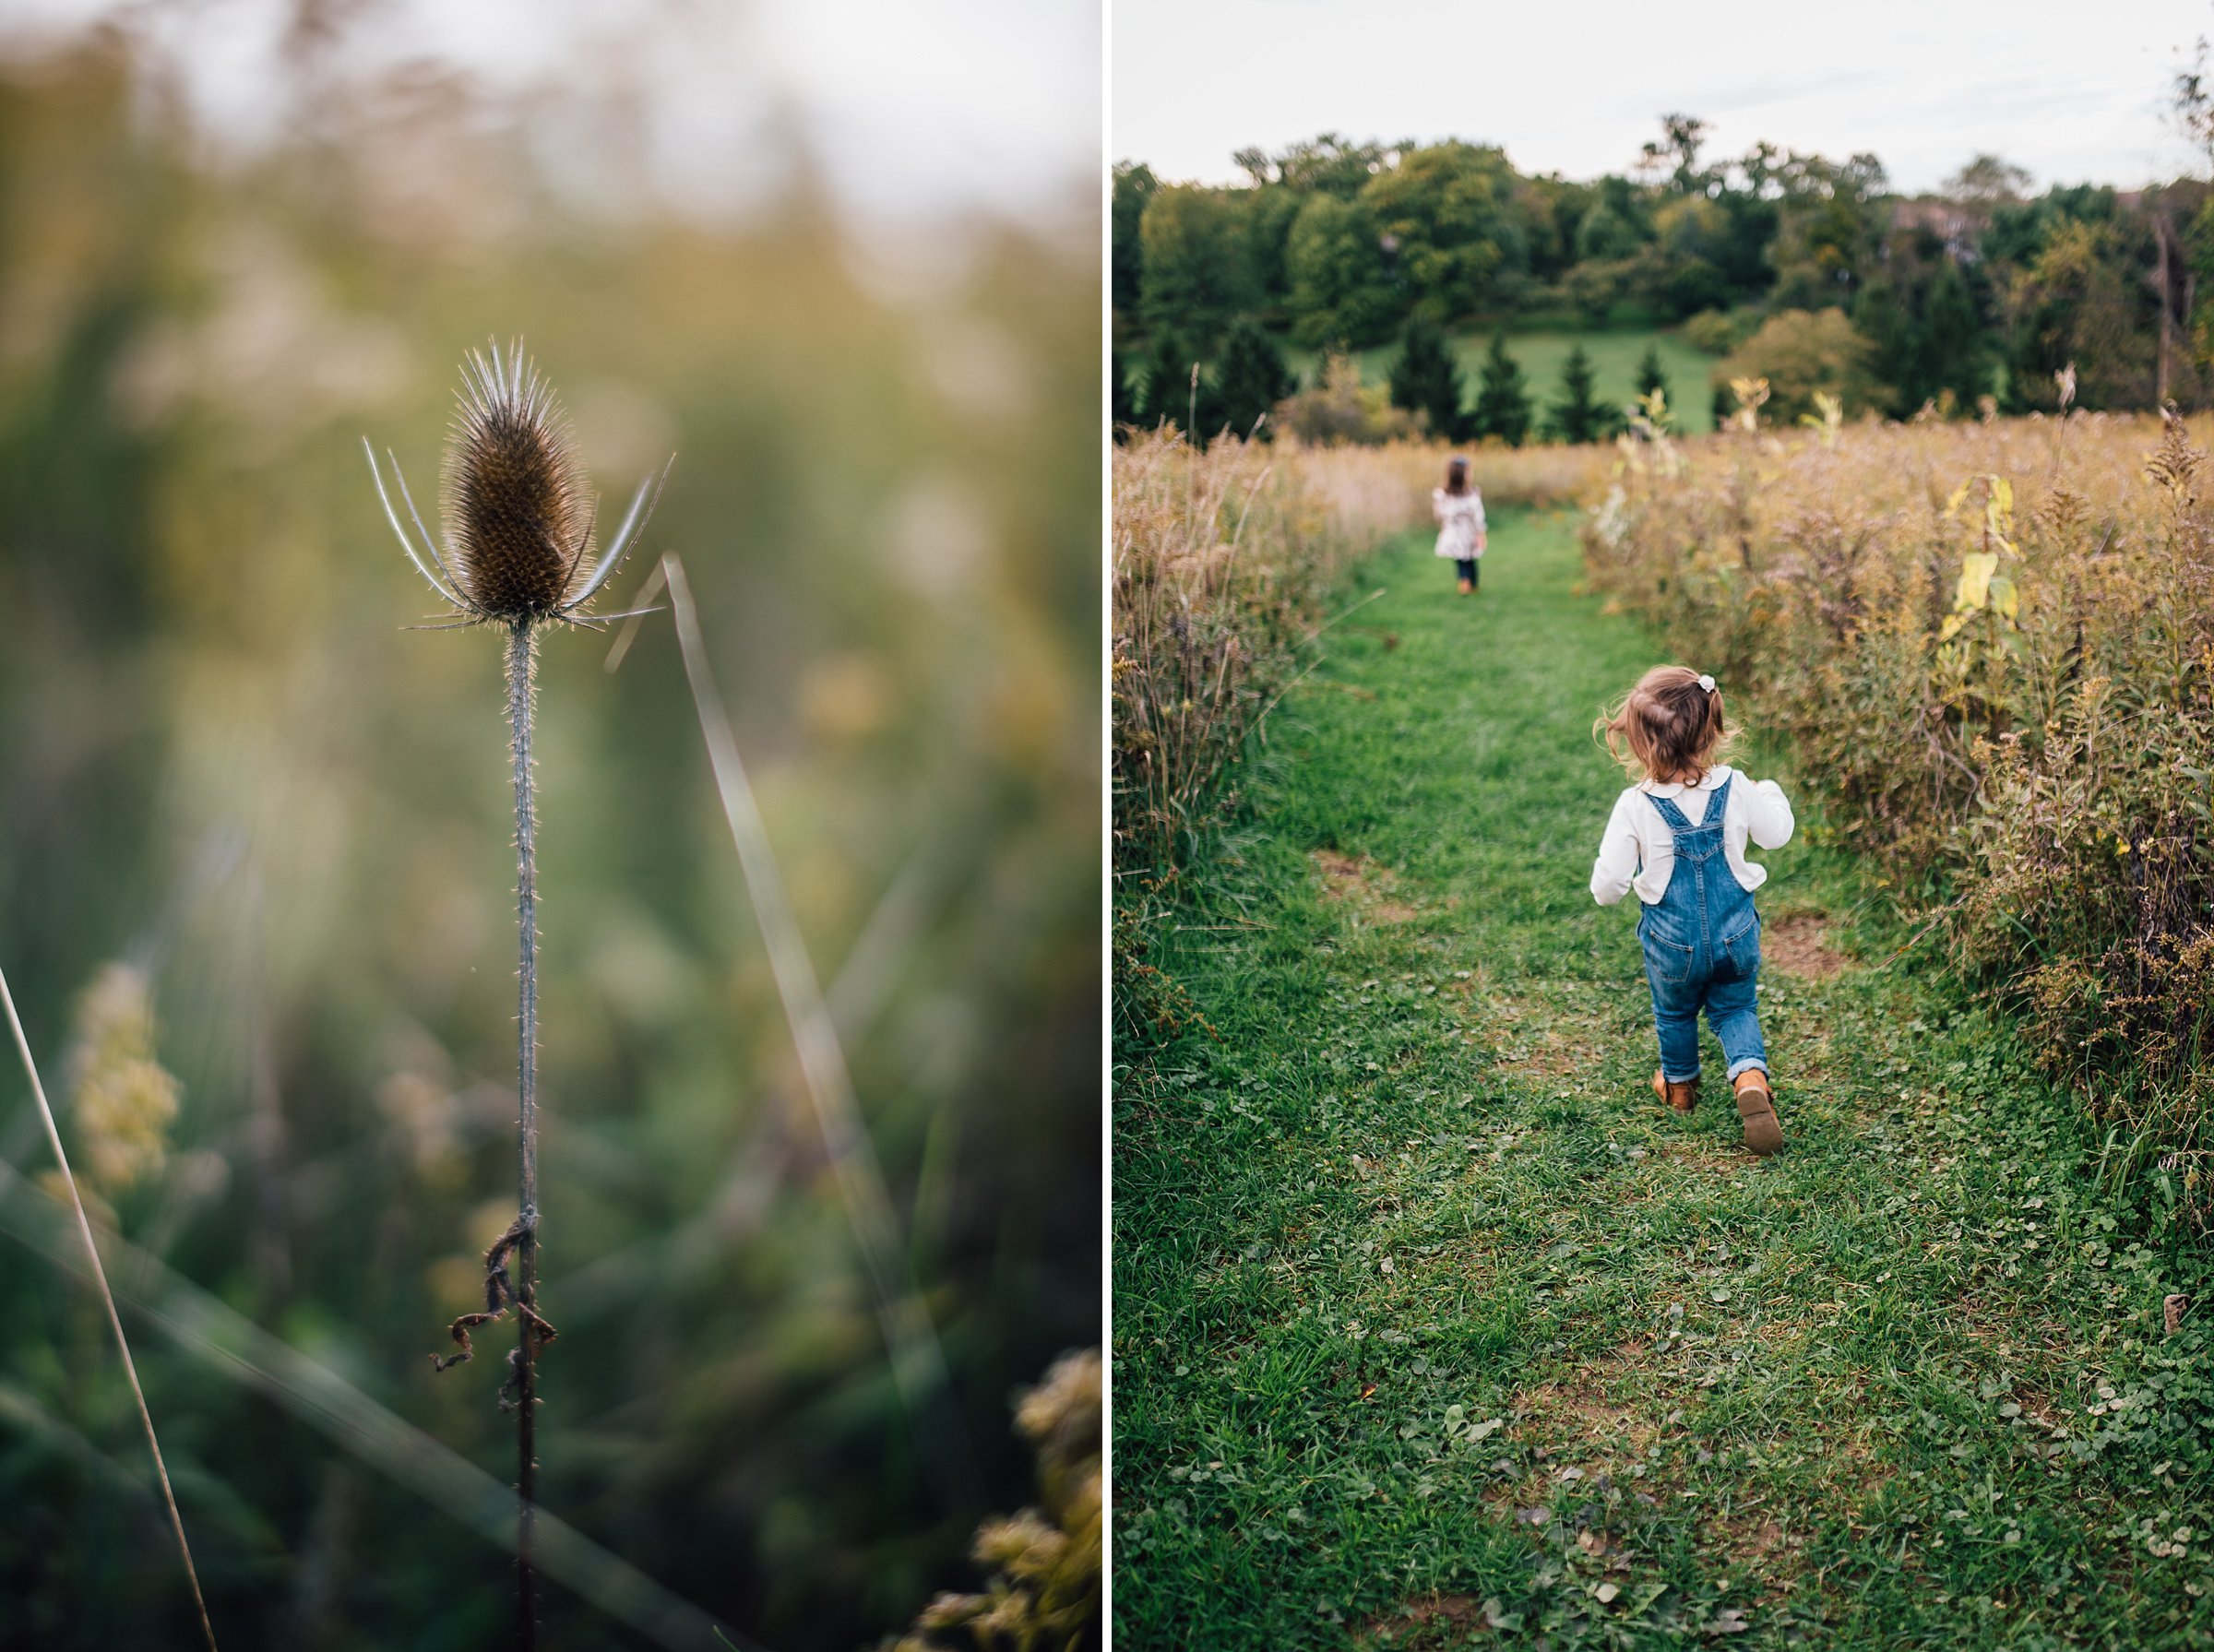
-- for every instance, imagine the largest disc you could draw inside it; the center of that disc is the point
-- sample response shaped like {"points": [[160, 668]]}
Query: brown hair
{"points": [[1669, 728], [1457, 475]]}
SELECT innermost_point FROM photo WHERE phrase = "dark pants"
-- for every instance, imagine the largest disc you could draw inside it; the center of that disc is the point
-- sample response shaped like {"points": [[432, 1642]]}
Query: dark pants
{"points": [[1467, 564]]}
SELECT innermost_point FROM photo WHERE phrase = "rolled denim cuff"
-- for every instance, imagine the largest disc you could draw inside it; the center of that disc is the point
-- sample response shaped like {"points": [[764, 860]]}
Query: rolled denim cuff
{"points": [[1750, 1064], [1690, 1077]]}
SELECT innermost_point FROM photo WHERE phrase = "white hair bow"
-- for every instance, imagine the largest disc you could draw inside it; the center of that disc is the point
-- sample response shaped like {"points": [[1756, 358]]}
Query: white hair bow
{"points": [[1707, 682]]}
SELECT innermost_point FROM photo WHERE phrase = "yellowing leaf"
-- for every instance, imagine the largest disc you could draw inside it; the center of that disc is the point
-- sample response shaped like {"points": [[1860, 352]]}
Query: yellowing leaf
{"points": [[1976, 570], [1952, 506], [1953, 622], [2004, 596]]}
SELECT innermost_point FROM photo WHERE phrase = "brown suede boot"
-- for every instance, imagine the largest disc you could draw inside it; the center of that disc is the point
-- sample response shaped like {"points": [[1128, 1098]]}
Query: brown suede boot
{"points": [[1683, 1097], [1756, 1107]]}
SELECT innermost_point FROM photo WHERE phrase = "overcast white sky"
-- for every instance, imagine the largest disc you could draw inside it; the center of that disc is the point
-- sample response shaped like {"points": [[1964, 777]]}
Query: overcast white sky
{"points": [[2073, 91]]}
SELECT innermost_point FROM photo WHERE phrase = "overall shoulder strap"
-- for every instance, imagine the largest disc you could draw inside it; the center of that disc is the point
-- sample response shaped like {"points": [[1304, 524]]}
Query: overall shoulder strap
{"points": [[1676, 817]]}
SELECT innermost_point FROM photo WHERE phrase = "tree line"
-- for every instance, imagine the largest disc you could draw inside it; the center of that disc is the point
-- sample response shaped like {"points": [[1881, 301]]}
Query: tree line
{"points": [[1818, 267]]}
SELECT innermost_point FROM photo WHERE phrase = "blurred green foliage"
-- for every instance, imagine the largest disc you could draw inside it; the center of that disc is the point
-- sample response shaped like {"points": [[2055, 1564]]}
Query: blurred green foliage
{"points": [[229, 766]]}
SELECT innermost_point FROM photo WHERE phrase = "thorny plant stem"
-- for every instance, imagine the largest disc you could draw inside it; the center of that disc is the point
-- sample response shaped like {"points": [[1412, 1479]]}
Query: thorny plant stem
{"points": [[232, 1346], [99, 1274], [522, 645]]}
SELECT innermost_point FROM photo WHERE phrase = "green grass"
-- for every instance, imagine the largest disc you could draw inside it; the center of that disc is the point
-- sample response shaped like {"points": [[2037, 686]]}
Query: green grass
{"points": [[1860, 1395], [1615, 358]]}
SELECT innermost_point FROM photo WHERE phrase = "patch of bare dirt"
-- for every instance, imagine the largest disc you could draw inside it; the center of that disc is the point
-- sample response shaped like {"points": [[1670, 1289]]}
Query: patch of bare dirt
{"points": [[1588, 1423], [1434, 1621], [1552, 1038], [1760, 1545], [1363, 884], [1552, 1054], [1798, 943], [1703, 1153], [1582, 1420]]}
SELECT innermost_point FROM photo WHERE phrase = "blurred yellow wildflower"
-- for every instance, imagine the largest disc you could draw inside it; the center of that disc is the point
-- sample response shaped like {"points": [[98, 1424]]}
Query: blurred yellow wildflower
{"points": [[122, 1099], [1044, 1591]]}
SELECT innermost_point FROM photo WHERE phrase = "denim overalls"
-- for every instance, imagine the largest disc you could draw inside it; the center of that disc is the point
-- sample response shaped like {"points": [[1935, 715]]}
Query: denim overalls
{"points": [[1702, 946]]}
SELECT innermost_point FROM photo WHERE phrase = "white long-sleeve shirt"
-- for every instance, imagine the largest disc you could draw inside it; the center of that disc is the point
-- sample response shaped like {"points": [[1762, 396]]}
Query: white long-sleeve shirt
{"points": [[1459, 523], [1639, 851]]}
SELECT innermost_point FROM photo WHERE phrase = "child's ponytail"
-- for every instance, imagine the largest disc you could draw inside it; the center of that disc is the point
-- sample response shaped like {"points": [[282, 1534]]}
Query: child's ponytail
{"points": [[1670, 728]]}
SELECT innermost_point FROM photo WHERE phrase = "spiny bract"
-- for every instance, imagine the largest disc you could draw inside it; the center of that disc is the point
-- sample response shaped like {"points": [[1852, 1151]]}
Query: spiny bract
{"points": [[519, 515]]}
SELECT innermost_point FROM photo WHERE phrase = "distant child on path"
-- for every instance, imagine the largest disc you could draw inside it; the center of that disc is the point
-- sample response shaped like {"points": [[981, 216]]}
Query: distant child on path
{"points": [[1459, 511], [1678, 838]]}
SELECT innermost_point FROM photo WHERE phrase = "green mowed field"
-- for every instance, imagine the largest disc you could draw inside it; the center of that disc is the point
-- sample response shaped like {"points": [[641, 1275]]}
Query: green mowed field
{"points": [[1433, 1327], [1615, 358]]}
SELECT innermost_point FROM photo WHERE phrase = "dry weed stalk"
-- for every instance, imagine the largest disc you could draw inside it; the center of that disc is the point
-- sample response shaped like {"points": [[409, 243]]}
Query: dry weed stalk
{"points": [[521, 552], [911, 1337], [107, 1297]]}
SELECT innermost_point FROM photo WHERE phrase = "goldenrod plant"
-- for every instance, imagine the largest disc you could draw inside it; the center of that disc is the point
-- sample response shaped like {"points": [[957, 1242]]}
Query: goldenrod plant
{"points": [[1043, 1590]]}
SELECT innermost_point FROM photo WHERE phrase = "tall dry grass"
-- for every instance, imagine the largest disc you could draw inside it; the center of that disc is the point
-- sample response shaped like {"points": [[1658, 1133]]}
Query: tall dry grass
{"points": [[1226, 561], [1225, 558], [1992, 647]]}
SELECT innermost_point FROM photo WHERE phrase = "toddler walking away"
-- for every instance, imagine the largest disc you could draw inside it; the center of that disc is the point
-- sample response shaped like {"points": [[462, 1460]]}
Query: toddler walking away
{"points": [[1459, 511], [1678, 838]]}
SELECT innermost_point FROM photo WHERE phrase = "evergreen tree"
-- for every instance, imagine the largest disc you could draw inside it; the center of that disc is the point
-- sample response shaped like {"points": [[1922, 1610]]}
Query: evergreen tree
{"points": [[1252, 378], [1650, 377], [1502, 407], [1122, 394], [1578, 416], [1955, 352], [1426, 380], [1134, 186], [1879, 318], [1166, 393]]}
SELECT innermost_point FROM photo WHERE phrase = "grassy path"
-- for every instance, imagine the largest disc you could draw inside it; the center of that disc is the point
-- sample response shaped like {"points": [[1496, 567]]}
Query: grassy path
{"points": [[1432, 1327]]}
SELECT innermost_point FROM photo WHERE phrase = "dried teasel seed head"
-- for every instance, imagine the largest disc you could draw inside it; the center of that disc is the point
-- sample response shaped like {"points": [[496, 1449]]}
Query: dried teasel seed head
{"points": [[518, 509]]}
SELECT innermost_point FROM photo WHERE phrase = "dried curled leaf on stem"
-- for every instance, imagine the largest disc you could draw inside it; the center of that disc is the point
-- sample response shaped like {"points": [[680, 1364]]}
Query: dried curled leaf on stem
{"points": [[499, 1297]]}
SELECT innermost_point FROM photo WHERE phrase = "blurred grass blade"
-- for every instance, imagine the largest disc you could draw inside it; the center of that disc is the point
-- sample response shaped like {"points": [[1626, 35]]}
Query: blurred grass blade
{"points": [[641, 606], [856, 997], [225, 1340], [917, 1360], [633, 525], [99, 1276]]}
